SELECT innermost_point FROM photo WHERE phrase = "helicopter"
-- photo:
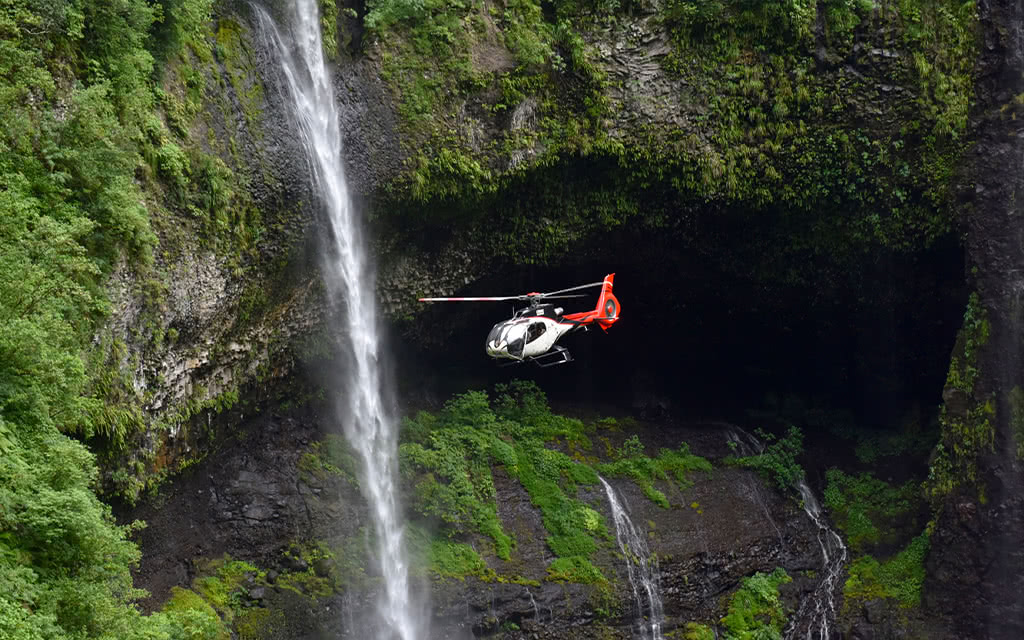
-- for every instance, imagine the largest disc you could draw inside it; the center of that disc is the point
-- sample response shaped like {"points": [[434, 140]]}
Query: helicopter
{"points": [[533, 332]]}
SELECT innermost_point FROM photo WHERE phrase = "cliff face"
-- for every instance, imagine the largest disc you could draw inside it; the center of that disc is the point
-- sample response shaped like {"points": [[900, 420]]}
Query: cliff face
{"points": [[977, 569], [271, 499], [775, 160], [781, 150]]}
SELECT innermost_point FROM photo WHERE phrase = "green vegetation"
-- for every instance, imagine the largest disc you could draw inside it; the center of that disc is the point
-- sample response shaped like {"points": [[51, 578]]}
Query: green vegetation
{"points": [[876, 518], [899, 578], [448, 458], [967, 417], [1017, 419], [867, 509], [694, 631], [676, 465], [755, 610], [770, 129], [777, 463]]}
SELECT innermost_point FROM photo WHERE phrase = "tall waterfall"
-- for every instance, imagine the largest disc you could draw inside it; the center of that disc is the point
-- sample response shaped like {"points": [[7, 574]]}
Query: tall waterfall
{"points": [[642, 569], [817, 613], [348, 280]]}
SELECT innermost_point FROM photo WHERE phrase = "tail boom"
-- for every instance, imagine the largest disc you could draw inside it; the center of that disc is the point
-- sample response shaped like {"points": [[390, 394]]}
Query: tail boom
{"points": [[607, 311]]}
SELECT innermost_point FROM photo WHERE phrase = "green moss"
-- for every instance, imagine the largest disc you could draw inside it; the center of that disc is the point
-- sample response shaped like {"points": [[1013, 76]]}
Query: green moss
{"points": [[223, 583], [668, 466], [195, 615], [577, 569], [455, 560], [898, 578], [448, 457], [259, 623], [868, 510], [329, 28], [755, 610], [305, 583], [694, 631], [332, 456], [967, 417]]}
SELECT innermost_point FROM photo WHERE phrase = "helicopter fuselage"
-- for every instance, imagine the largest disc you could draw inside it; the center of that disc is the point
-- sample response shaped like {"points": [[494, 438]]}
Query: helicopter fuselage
{"points": [[530, 333]]}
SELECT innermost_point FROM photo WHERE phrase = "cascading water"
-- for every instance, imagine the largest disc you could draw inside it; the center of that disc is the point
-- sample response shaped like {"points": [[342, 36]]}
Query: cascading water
{"points": [[349, 284], [833, 553], [817, 613], [642, 569]]}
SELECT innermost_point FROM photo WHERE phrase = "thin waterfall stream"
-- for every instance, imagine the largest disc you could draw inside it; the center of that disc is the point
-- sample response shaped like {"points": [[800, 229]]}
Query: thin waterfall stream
{"points": [[816, 614], [641, 567], [348, 279]]}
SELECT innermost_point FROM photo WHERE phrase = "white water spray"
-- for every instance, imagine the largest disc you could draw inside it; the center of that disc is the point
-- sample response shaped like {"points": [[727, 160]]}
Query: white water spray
{"points": [[643, 572], [349, 283]]}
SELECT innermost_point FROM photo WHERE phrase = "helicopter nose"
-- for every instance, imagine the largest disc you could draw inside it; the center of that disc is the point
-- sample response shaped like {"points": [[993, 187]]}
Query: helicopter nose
{"points": [[496, 350]]}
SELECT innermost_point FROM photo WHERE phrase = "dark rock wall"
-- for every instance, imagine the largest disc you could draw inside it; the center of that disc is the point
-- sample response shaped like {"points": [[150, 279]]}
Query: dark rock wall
{"points": [[976, 570], [258, 499]]}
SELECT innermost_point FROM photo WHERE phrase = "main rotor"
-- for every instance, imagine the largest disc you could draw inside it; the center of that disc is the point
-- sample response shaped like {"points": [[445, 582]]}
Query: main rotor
{"points": [[533, 298]]}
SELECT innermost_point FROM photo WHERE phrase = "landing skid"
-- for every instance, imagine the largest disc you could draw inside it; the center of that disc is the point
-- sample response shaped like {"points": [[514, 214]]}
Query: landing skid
{"points": [[557, 355]]}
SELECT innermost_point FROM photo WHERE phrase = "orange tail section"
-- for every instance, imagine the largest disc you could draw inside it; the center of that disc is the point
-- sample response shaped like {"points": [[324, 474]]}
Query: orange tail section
{"points": [[608, 308]]}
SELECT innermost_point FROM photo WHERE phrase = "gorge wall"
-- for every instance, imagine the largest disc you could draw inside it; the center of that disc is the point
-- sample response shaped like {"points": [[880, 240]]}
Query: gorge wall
{"points": [[790, 190]]}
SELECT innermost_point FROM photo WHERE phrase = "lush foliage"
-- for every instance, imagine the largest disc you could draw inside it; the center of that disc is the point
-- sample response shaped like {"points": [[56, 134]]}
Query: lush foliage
{"points": [[869, 510], [77, 94], [755, 610], [899, 577], [777, 462], [449, 457], [633, 463], [838, 162]]}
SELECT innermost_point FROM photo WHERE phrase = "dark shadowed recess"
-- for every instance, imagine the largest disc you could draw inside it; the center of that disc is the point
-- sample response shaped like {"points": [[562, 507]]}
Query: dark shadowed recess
{"points": [[720, 324]]}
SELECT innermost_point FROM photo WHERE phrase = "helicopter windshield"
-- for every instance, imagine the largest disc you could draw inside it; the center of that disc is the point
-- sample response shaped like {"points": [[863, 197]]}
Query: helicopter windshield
{"points": [[507, 338], [516, 338]]}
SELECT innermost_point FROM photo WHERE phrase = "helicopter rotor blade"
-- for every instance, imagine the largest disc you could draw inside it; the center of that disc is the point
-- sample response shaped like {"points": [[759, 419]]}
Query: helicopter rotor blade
{"points": [[490, 299], [576, 288], [546, 296]]}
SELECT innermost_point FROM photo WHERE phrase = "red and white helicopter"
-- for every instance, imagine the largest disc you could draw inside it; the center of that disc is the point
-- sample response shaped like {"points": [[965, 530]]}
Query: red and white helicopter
{"points": [[533, 331]]}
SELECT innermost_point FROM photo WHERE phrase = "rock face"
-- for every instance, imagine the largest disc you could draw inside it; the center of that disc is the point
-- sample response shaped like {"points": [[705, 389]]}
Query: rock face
{"points": [[977, 568], [260, 498], [254, 497]]}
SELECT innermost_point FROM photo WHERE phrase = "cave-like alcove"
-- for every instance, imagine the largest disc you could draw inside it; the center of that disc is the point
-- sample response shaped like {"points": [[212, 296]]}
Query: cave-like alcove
{"points": [[721, 322]]}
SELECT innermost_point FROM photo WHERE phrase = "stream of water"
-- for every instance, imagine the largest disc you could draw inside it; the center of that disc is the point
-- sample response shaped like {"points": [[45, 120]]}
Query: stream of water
{"points": [[348, 279], [816, 614], [642, 569]]}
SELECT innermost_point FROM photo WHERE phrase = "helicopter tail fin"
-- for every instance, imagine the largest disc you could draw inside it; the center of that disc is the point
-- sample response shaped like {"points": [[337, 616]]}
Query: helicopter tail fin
{"points": [[607, 305]]}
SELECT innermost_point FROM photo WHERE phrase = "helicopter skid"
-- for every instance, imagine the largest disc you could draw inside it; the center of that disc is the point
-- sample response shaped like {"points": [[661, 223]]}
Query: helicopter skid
{"points": [[557, 355]]}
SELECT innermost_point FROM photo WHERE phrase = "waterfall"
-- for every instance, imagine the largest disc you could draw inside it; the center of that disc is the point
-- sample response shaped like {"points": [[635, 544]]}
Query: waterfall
{"points": [[641, 567], [833, 553], [348, 280], [819, 610]]}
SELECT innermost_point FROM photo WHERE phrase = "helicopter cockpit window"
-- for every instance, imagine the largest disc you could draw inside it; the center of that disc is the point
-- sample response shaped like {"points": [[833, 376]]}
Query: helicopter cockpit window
{"points": [[495, 332], [516, 338], [535, 331]]}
